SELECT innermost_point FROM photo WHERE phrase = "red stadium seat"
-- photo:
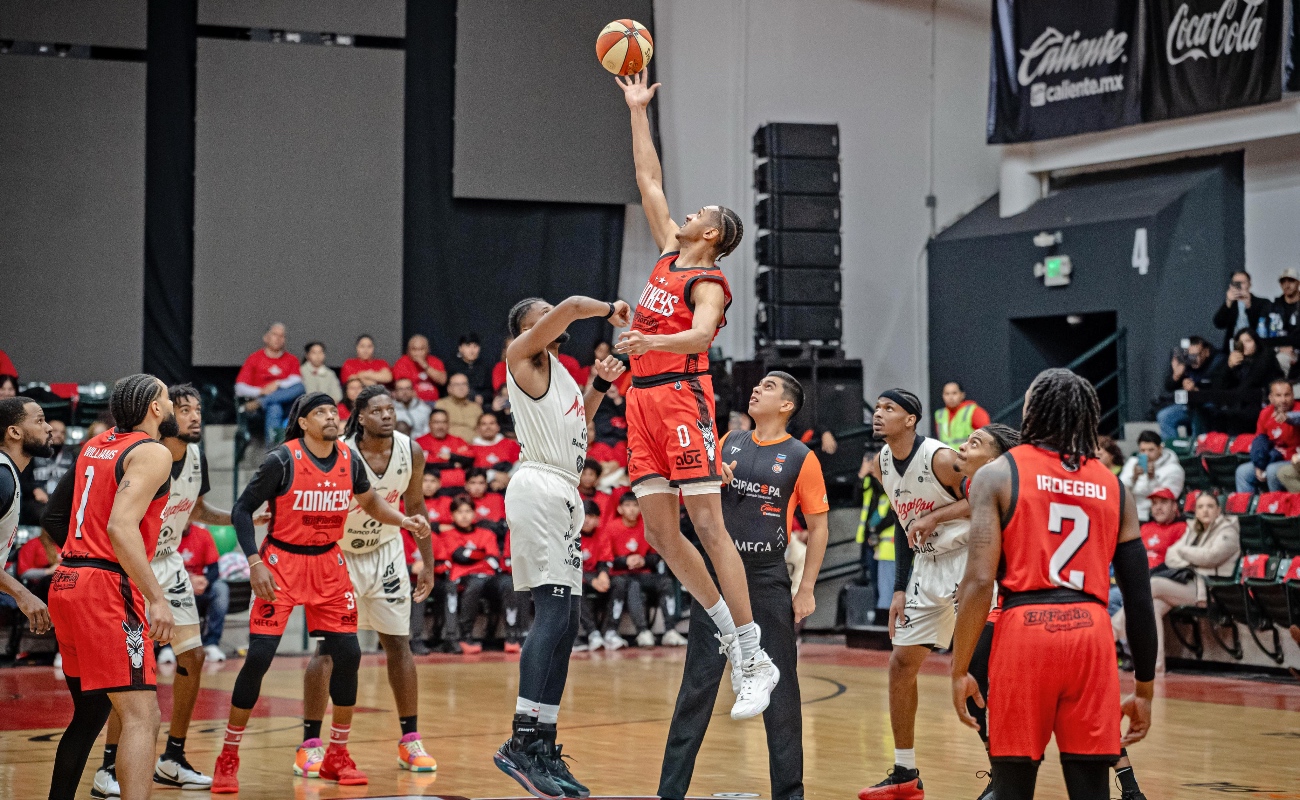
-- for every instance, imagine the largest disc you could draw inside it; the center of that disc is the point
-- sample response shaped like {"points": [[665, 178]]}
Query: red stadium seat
{"points": [[1276, 503], [1211, 443], [1238, 503], [1254, 566], [1189, 502], [1241, 444]]}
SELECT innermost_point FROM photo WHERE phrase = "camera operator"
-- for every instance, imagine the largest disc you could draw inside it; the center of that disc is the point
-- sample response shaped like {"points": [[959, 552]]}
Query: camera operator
{"points": [[1190, 369], [1241, 309]]}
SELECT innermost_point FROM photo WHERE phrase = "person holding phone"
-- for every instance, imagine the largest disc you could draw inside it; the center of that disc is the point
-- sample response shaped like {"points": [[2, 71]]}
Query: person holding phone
{"points": [[1149, 470], [1241, 310]]}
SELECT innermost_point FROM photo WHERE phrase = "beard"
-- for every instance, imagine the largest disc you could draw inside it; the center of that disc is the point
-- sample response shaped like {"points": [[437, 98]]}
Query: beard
{"points": [[37, 448], [191, 438], [168, 428]]}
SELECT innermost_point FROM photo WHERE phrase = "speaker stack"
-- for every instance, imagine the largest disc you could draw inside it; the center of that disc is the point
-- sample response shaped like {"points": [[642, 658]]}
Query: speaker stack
{"points": [[797, 176]]}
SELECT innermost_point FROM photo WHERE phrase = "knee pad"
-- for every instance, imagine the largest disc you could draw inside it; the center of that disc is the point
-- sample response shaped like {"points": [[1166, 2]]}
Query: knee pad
{"points": [[345, 650], [261, 651]]}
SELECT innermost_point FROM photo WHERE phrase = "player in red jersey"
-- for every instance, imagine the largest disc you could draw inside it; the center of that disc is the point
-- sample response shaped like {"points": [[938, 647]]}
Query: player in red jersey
{"points": [[671, 436], [309, 482], [104, 599], [1047, 521]]}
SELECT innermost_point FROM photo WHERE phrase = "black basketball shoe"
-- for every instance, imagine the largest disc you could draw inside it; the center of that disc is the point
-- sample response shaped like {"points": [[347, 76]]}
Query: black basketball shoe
{"points": [[554, 761], [987, 794], [523, 757]]}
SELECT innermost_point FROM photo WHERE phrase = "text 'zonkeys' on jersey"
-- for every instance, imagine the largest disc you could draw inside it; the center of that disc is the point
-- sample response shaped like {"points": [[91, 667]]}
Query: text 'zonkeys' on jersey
{"points": [[315, 508], [1064, 525], [100, 467], [664, 308]]}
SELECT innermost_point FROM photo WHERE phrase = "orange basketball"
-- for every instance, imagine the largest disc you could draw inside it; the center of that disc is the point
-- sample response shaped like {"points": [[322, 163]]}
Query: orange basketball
{"points": [[624, 47]]}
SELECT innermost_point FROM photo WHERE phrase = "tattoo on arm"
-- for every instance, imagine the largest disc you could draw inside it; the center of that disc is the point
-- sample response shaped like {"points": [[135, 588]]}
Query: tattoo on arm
{"points": [[122, 488]]}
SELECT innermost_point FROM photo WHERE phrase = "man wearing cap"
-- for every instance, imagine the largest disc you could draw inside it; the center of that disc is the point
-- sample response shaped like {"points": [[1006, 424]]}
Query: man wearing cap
{"points": [[1286, 309], [1166, 526]]}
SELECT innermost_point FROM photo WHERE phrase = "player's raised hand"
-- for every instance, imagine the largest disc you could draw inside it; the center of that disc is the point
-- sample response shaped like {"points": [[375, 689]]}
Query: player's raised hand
{"points": [[964, 687], [622, 314], [637, 90], [633, 343], [417, 525], [1138, 711], [38, 616], [921, 529], [161, 623], [608, 368], [423, 585], [261, 582], [728, 472]]}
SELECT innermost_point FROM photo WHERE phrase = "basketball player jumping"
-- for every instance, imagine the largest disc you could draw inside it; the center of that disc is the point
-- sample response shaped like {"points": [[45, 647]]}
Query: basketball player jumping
{"points": [[1047, 522], [24, 435], [545, 514], [376, 561], [671, 436]]}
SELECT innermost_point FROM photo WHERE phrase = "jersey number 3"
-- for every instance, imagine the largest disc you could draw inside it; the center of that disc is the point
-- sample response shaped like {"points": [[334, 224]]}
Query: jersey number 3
{"points": [[1058, 514]]}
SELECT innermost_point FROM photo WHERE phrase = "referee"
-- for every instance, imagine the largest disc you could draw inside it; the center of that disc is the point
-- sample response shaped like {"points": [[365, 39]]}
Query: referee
{"points": [[769, 474]]}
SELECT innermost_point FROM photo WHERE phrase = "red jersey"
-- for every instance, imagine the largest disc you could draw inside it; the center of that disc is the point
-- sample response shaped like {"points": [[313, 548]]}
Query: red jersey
{"points": [[625, 541], [99, 469], [490, 507], [260, 369], [488, 456], [498, 376], [439, 510], [1284, 437], [664, 308], [484, 553], [425, 388], [595, 550], [1064, 525], [31, 556], [313, 511], [1159, 537], [604, 453], [505, 556], [197, 549], [438, 453], [441, 553], [354, 365]]}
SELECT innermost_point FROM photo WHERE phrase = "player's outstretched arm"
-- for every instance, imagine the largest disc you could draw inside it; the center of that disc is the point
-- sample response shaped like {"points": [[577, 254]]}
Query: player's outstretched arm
{"points": [[147, 468], [638, 92], [990, 492], [608, 370], [534, 341], [1133, 578], [710, 305]]}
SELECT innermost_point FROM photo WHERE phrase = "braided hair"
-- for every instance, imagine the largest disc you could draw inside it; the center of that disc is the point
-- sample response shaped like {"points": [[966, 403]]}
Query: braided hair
{"points": [[1062, 414], [1004, 436], [353, 427], [130, 400], [515, 319], [730, 231]]}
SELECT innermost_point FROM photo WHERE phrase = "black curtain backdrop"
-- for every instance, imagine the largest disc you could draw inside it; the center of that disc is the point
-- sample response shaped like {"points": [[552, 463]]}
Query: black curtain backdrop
{"points": [[169, 190], [466, 262]]}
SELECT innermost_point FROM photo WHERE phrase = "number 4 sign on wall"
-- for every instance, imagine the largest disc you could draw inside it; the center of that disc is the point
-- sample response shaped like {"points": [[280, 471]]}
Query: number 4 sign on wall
{"points": [[1140, 259]]}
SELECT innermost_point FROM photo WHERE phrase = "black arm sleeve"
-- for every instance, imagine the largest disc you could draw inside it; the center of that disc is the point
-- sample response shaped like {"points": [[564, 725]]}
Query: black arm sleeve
{"points": [[360, 481], [1134, 581], [58, 512], [902, 560], [270, 481], [205, 486]]}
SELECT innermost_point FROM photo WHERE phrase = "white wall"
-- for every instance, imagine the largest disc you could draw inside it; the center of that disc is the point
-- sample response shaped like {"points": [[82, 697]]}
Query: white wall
{"points": [[1272, 207], [729, 66]]}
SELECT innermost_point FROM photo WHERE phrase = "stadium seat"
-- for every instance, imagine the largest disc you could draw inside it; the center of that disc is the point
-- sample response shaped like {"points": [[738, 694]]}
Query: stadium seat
{"points": [[1241, 444], [1254, 538], [1194, 470], [1211, 444], [1272, 594], [1239, 503], [1242, 606], [1281, 535], [1189, 501], [1222, 471], [1282, 503]]}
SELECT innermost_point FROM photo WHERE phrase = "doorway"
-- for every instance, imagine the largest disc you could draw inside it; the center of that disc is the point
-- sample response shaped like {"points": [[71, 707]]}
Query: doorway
{"points": [[1039, 343]]}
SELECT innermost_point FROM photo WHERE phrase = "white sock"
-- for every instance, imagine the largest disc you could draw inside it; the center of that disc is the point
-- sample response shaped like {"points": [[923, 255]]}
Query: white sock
{"points": [[549, 714], [721, 616], [525, 706], [905, 758], [748, 635]]}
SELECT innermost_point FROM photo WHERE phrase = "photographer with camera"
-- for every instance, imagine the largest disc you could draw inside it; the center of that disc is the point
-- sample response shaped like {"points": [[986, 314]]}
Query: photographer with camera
{"points": [[1190, 369], [1241, 309]]}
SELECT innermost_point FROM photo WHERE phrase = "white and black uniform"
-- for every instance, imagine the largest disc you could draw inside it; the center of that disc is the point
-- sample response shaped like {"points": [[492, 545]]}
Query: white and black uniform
{"points": [[543, 507], [937, 568], [10, 506], [374, 552], [189, 482]]}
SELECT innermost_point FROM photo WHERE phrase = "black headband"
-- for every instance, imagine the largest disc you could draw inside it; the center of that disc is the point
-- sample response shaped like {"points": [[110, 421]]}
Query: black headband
{"points": [[313, 401], [907, 404]]}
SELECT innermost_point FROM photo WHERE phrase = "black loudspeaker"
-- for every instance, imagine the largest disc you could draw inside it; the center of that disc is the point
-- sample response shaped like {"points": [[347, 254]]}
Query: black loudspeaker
{"points": [[832, 391], [795, 249], [797, 140], [810, 286], [801, 212], [798, 323], [798, 176]]}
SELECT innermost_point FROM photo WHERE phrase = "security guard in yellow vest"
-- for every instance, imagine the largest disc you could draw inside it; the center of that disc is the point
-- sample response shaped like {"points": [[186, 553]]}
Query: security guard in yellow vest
{"points": [[876, 529], [959, 417]]}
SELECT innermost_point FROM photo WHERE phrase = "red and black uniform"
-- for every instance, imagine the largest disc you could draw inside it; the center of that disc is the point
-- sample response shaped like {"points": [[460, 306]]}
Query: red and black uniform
{"points": [[439, 510], [450, 454], [597, 557], [1052, 667], [670, 428], [491, 507], [309, 501], [475, 561], [98, 614], [501, 455]]}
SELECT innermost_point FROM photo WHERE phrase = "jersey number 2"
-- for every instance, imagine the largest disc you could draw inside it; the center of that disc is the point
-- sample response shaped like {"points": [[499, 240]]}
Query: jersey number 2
{"points": [[85, 493], [1057, 516]]}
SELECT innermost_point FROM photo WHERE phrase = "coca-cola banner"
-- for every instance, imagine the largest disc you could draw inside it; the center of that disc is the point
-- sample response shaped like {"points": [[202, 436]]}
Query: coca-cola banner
{"points": [[1210, 55], [1060, 67]]}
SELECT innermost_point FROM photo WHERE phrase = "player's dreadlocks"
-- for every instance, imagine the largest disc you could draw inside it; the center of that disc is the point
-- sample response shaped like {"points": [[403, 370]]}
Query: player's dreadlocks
{"points": [[1062, 414], [1004, 436], [515, 319], [353, 427], [131, 398], [730, 231]]}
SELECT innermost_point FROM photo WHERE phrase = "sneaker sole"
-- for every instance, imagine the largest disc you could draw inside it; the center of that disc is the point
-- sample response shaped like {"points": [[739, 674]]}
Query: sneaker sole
{"points": [[891, 794], [297, 770], [98, 795], [522, 780], [348, 782], [412, 768], [160, 782]]}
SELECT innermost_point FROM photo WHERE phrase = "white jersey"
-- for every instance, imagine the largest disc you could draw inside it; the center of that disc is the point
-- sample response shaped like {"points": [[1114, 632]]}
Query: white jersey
{"points": [[362, 533], [185, 489], [9, 522], [552, 429], [917, 491]]}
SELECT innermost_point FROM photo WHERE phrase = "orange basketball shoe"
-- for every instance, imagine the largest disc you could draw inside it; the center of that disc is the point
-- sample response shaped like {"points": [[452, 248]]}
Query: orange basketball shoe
{"points": [[411, 755], [307, 761]]}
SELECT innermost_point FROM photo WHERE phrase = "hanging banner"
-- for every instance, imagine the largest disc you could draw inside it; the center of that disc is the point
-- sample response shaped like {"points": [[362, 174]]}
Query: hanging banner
{"points": [[1211, 55], [1060, 67]]}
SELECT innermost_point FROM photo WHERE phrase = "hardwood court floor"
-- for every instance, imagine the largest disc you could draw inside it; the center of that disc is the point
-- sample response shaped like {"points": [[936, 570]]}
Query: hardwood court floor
{"points": [[1211, 736]]}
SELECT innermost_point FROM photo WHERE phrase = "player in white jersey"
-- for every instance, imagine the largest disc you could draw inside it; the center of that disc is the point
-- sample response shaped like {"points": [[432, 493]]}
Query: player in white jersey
{"points": [[545, 515], [24, 434], [920, 478], [376, 560]]}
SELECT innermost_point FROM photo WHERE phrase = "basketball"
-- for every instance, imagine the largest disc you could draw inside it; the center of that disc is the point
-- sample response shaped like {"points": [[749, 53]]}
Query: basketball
{"points": [[624, 47]]}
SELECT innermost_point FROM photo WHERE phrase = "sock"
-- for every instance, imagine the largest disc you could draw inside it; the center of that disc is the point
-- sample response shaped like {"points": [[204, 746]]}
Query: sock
{"points": [[311, 729], [409, 724], [748, 635], [110, 756], [905, 758], [175, 747], [339, 735], [721, 616], [234, 735], [1127, 780], [549, 715]]}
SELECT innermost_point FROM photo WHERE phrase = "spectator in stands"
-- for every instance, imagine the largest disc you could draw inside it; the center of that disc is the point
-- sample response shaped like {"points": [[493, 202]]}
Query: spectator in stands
{"points": [[1109, 454], [500, 369], [316, 377], [475, 559], [34, 568], [597, 561], [489, 507], [410, 408], [8, 386], [611, 417], [1245, 373], [211, 593], [1275, 442], [436, 503], [588, 487], [1284, 319], [1189, 372], [365, 366], [739, 421], [351, 390], [1241, 310], [1165, 528], [270, 380], [638, 571], [611, 457], [1210, 546], [426, 371], [501, 408], [959, 417], [516, 607], [492, 451], [462, 411], [1151, 468], [47, 471], [415, 566], [445, 452], [7, 366], [468, 362]]}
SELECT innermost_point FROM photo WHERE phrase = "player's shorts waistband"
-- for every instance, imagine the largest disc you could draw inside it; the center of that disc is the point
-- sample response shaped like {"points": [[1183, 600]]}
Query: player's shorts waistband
{"points": [[94, 563], [299, 549], [1044, 597], [650, 381], [569, 477]]}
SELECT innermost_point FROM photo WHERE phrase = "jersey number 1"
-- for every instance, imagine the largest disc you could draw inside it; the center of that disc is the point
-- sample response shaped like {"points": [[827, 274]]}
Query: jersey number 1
{"points": [[85, 493], [1057, 516]]}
